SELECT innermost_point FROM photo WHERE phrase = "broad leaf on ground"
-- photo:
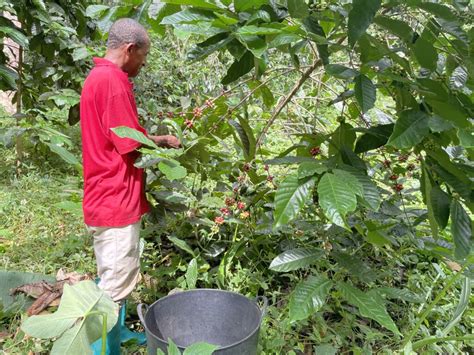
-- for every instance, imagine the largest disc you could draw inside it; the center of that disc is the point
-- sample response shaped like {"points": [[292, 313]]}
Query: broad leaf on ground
{"points": [[308, 297], [370, 305], [76, 322]]}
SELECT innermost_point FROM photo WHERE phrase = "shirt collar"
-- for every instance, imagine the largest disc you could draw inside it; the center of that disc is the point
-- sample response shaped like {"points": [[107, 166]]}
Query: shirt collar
{"points": [[102, 62]]}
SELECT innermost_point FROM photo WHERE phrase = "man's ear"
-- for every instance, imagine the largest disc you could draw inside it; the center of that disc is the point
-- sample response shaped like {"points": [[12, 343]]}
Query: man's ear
{"points": [[129, 47]]}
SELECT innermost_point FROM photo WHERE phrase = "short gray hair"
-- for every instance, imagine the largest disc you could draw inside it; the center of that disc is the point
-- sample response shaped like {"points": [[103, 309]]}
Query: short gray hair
{"points": [[127, 30]]}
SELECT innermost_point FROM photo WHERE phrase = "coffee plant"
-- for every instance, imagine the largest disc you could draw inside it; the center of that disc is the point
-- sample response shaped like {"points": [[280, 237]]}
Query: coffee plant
{"points": [[326, 162]]}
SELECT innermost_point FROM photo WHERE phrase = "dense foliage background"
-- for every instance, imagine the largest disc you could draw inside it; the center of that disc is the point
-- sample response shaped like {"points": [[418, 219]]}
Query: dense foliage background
{"points": [[327, 162]]}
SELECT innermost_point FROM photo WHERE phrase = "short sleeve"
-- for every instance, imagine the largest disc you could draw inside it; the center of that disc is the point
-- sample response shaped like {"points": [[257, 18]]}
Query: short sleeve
{"points": [[120, 111]]}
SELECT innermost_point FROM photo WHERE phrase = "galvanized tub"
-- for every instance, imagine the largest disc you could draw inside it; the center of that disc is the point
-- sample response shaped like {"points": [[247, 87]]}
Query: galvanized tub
{"points": [[218, 317]]}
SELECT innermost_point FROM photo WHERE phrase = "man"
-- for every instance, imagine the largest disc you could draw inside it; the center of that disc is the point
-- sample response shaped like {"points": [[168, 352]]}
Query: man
{"points": [[114, 199]]}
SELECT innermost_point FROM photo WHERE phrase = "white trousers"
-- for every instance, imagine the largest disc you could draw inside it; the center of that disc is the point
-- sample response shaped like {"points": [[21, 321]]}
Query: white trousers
{"points": [[118, 258]]}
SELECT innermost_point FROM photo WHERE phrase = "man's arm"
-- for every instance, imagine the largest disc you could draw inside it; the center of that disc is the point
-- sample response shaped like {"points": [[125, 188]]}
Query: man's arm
{"points": [[167, 141]]}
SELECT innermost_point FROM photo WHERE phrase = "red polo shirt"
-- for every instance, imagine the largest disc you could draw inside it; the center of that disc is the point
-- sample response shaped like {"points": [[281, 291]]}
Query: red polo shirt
{"points": [[113, 187]]}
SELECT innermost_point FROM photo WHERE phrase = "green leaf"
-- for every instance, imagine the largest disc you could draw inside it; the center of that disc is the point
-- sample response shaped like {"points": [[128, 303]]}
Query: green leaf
{"points": [[410, 129], [244, 5], [127, 132], [173, 348], [371, 195], [463, 304], [212, 44], [370, 305], [310, 168], [96, 11], [257, 30], [16, 35], [298, 8], [295, 259], [450, 111], [200, 348], [79, 53], [74, 322], [461, 229], [466, 138], [365, 92], [397, 27], [8, 76], [290, 197], [340, 71], [284, 38], [373, 138], [172, 169], [181, 244], [336, 198], [355, 266], [288, 160], [425, 54], [351, 181], [308, 297], [246, 137], [400, 294], [440, 203], [66, 155], [438, 10], [360, 18], [195, 3], [191, 274], [239, 68], [188, 16]]}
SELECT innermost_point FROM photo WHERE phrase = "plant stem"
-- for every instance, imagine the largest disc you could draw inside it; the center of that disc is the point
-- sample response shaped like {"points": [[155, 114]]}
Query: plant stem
{"points": [[434, 339], [423, 316]]}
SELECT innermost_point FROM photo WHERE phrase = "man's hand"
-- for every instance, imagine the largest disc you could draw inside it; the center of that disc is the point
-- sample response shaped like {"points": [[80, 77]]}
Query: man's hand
{"points": [[167, 141]]}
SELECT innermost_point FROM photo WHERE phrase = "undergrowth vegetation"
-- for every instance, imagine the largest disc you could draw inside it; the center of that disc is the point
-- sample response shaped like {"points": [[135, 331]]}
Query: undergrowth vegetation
{"points": [[326, 164]]}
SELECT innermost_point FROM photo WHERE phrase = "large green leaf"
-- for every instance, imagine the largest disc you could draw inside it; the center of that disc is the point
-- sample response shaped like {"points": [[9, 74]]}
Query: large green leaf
{"points": [[355, 266], [373, 138], [451, 111], [195, 3], [425, 53], [371, 195], [336, 198], [252, 30], [181, 244], [243, 5], [290, 197], [15, 35], [308, 297], [360, 18], [340, 71], [188, 16], [172, 169], [298, 8], [127, 132], [212, 44], [461, 229], [240, 67], [440, 203], [311, 168], [410, 129], [295, 259], [365, 92], [370, 305], [75, 323], [397, 27], [66, 155]]}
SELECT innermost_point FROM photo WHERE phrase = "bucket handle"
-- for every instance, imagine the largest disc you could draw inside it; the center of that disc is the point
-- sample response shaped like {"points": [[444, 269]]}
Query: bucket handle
{"points": [[141, 313], [263, 309]]}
